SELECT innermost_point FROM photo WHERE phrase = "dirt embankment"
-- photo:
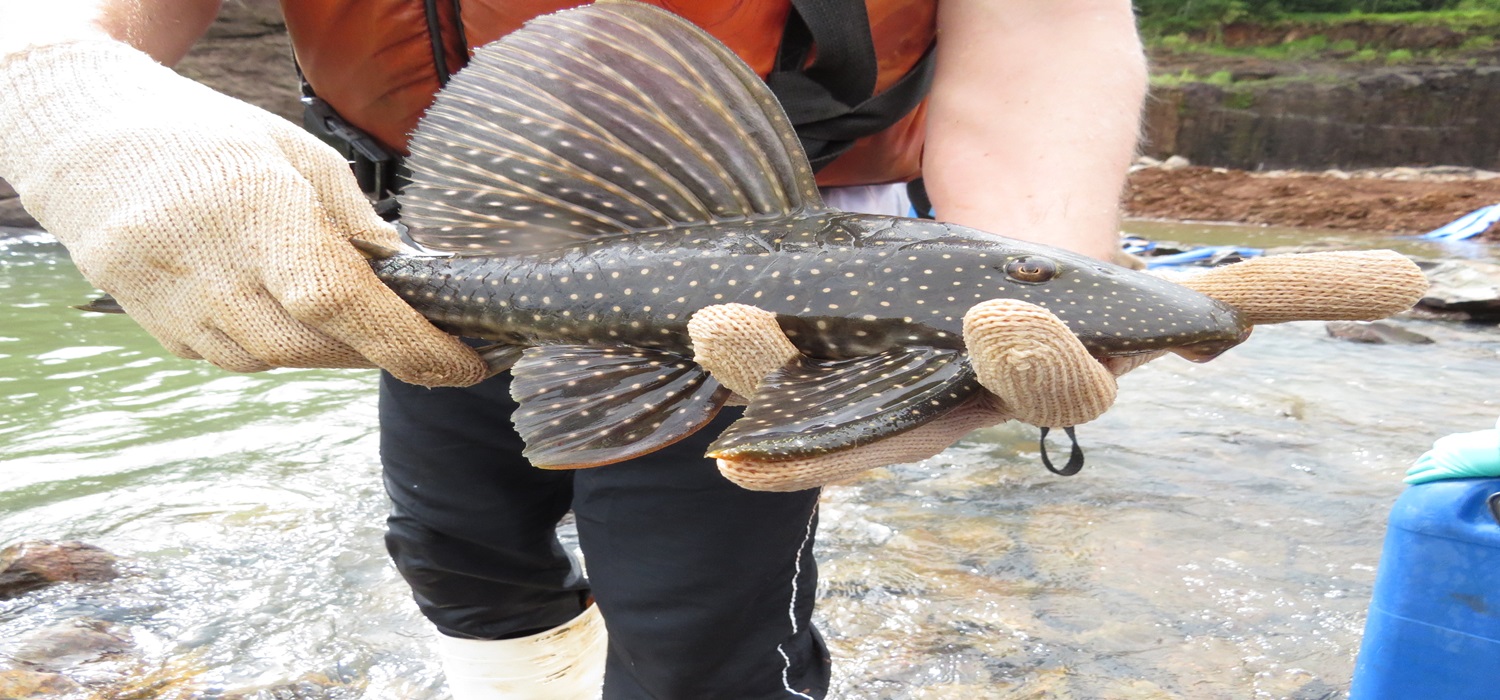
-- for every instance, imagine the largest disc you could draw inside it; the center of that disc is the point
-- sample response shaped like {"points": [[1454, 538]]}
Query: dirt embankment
{"points": [[1398, 200]]}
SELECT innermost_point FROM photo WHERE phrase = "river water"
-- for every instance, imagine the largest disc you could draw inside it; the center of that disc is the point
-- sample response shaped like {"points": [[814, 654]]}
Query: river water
{"points": [[1221, 542]]}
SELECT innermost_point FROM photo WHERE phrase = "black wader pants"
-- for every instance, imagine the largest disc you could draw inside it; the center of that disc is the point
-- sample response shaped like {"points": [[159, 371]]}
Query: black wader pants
{"points": [[706, 588]]}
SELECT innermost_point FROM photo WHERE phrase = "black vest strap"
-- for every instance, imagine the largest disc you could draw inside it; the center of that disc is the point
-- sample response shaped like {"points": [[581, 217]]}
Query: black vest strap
{"points": [[831, 101], [1075, 458]]}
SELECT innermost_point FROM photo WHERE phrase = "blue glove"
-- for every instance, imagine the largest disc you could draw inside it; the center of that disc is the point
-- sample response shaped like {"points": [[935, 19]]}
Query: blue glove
{"points": [[1458, 456]]}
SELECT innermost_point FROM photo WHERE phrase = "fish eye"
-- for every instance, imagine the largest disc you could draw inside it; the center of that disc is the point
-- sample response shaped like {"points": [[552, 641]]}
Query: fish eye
{"points": [[1031, 269]]}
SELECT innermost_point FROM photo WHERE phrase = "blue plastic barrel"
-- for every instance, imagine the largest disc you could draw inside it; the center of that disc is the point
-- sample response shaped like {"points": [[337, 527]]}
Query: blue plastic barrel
{"points": [[1434, 624]]}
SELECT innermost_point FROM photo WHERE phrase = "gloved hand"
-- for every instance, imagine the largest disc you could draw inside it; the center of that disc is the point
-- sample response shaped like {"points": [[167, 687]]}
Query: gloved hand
{"points": [[220, 228], [1035, 369], [1458, 456], [1343, 285]]}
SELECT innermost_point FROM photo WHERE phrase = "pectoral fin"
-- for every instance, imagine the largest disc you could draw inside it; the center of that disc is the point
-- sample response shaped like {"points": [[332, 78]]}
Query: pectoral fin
{"points": [[103, 305], [583, 406], [813, 407], [500, 356]]}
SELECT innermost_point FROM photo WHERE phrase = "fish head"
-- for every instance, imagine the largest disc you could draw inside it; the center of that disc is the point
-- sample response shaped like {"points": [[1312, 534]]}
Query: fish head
{"points": [[1116, 312]]}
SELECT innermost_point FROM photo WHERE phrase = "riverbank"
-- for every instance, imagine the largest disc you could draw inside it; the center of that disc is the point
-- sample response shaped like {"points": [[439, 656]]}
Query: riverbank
{"points": [[1316, 91], [1385, 200]]}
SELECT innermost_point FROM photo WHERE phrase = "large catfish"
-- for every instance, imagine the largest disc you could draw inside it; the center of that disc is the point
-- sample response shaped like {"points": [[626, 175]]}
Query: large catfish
{"points": [[589, 182], [598, 176]]}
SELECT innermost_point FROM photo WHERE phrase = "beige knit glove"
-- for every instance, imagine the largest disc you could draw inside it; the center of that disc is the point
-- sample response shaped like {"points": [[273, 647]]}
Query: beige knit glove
{"points": [[220, 228], [1346, 285]]}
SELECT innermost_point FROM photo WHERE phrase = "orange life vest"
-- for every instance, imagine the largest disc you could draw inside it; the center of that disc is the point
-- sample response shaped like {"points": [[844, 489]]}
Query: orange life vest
{"points": [[379, 62]]}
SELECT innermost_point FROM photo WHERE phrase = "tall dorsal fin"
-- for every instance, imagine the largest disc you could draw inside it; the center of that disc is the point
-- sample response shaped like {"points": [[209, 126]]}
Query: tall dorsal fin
{"points": [[611, 118]]}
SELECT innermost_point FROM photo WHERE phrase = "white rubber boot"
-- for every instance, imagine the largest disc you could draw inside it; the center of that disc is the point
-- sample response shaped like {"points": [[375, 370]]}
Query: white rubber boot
{"points": [[563, 663]]}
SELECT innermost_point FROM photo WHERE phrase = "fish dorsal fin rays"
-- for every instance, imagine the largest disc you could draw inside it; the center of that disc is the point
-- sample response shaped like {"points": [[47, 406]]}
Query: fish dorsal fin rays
{"points": [[612, 118], [814, 407], [584, 406]]}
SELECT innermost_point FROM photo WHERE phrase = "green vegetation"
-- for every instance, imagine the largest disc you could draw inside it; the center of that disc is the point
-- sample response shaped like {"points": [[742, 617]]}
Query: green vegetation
{"points": [[1220, 78], [1312, 47], [1161, 18], [1175, 79], [1373, 32]]}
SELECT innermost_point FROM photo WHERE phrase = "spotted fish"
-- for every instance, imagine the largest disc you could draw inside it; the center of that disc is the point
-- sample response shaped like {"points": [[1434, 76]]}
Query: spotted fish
{"points": [[589, 182]]}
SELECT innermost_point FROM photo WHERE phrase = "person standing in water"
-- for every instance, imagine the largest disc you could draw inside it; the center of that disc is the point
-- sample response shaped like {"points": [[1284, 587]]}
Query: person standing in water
{"points": [[223, 230]]}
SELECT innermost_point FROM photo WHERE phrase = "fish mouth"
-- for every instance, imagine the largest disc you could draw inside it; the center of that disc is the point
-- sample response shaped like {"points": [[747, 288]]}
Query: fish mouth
{"points": [[1209, 349], [1120, 363]]}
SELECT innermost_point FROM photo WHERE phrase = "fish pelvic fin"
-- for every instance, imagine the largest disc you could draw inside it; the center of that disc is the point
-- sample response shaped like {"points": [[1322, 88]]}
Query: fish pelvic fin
{"points": [[585, 406], [373, 251], [608, 119], [815, 407]]}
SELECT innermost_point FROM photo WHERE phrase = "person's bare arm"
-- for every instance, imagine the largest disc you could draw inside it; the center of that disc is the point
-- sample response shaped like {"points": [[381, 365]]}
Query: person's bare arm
{"points": [[1034, 118], [165, 29]]}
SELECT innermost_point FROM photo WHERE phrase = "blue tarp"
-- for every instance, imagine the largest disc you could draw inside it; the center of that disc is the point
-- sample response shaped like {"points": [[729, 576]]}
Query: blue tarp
{"points": [[1197, 255], [1468, 226]]}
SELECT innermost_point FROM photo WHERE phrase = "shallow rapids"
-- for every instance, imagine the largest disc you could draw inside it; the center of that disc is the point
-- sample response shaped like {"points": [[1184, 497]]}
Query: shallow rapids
{"points": [[1220, 543]]}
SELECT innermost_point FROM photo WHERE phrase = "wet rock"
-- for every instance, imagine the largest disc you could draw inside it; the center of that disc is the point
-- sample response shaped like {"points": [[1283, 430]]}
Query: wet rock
{"points": [[309, 687], [847, 524], [73, 643], [29, 566], [1422, 313], [1376, 332], [11, 213], [1467, 286], [16, 684]]}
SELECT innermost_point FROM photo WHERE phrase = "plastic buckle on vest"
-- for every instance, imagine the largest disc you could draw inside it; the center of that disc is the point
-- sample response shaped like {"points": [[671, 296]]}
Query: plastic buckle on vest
{"points": [[374, 165]]}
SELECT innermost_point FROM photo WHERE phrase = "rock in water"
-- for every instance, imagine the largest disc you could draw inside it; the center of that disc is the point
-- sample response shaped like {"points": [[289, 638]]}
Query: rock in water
{"points": [[22, 683], [1469, 286], [73, 643], [29, 566], [1377, 332]]}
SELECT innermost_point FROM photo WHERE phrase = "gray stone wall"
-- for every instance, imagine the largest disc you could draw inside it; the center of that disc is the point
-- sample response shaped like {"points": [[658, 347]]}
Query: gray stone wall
{"points": [[1389, 117]]}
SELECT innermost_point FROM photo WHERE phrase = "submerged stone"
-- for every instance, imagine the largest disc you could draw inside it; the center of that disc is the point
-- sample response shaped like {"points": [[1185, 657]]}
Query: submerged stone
{"points": [[1469, 286], [1376, 332], [29, 566], [73, 643], [18, 684]]}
